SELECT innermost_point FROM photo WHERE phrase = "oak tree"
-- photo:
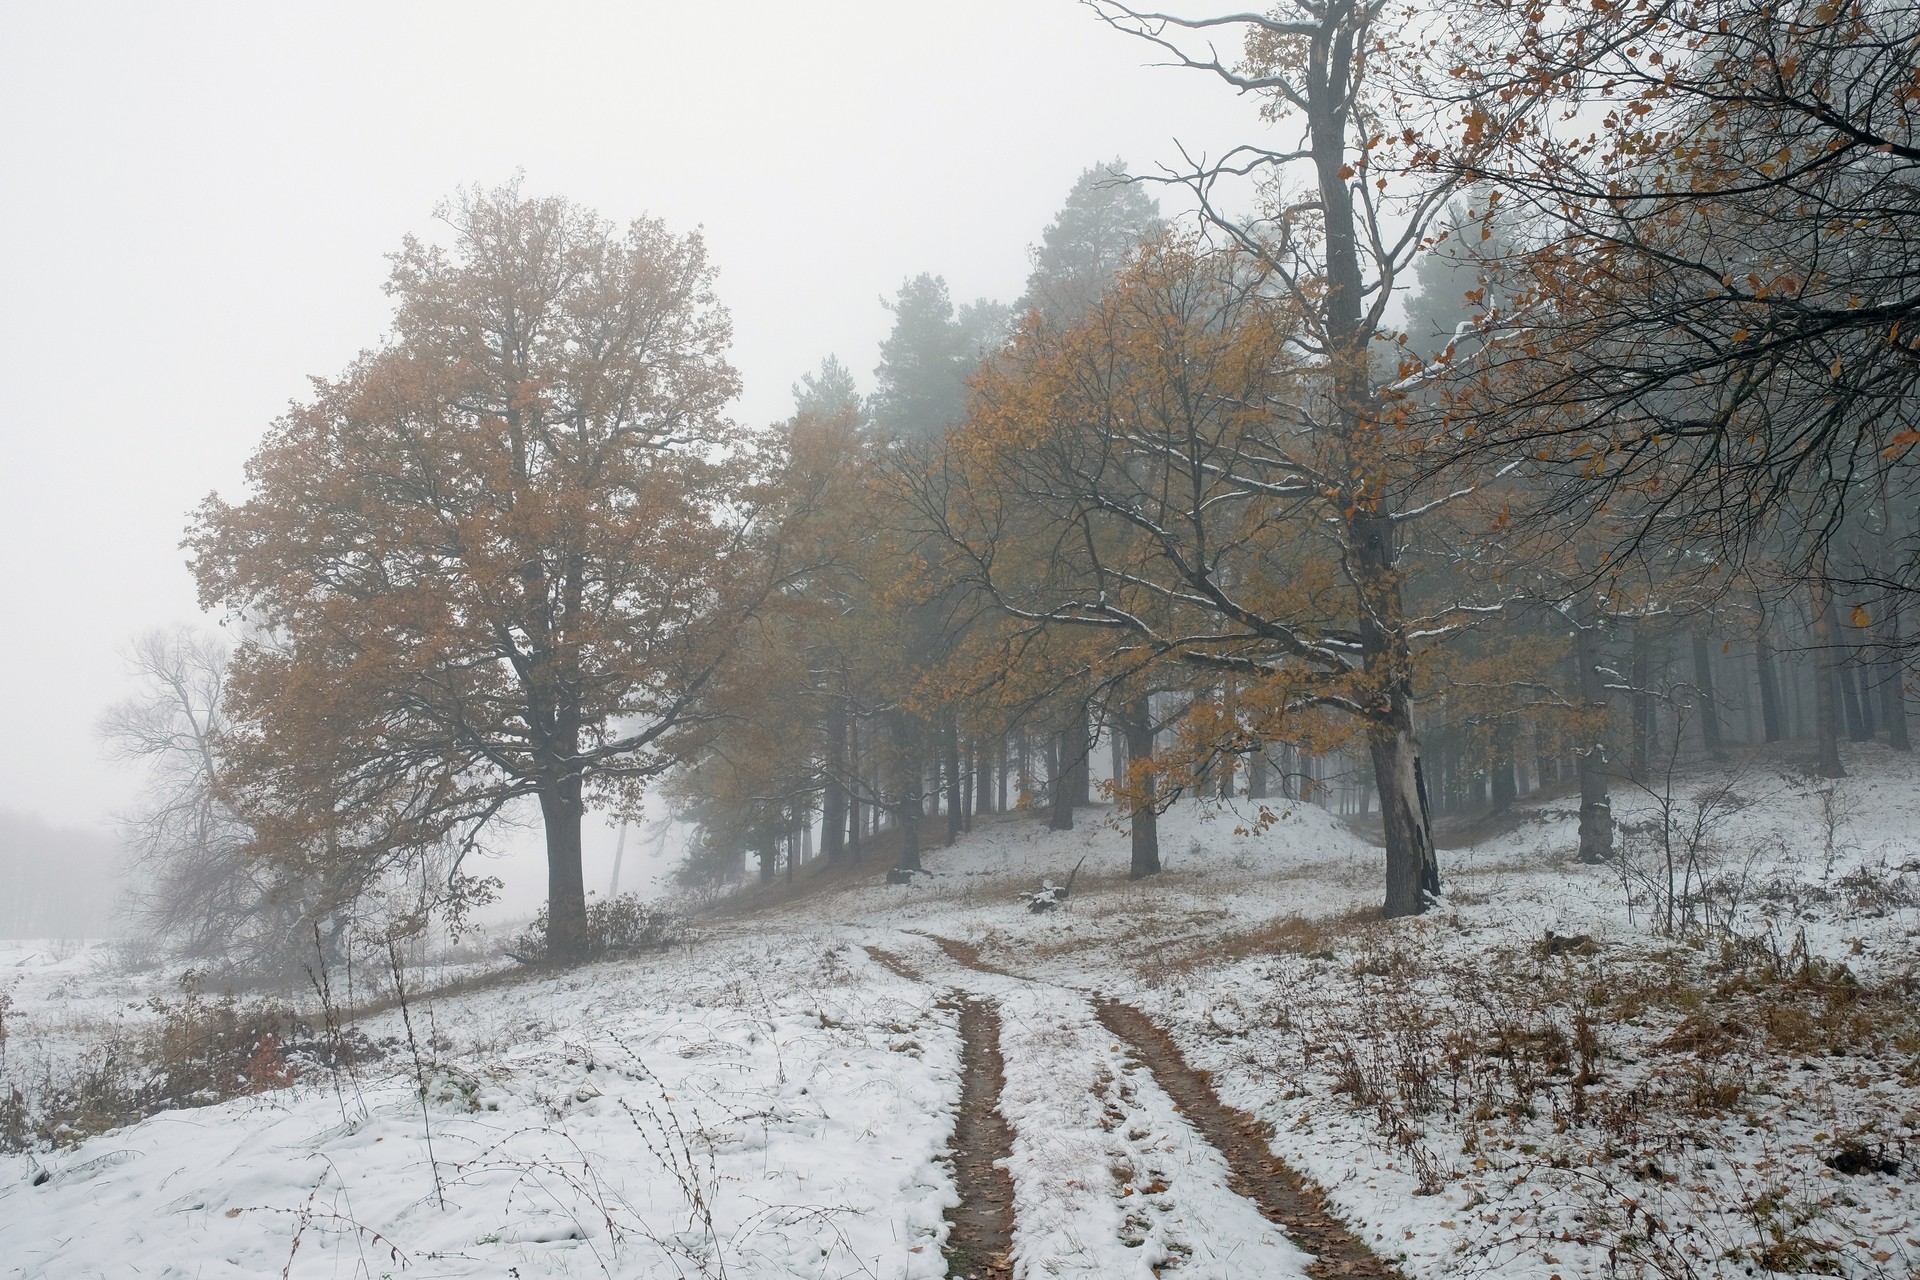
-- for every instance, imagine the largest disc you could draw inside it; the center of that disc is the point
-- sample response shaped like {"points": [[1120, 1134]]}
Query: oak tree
{"points": [[499, 557]]}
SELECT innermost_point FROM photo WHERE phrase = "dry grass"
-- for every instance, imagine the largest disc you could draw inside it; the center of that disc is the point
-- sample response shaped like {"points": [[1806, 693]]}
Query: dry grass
{"points": [[1305, 936], [1643, 1073], [195, 1051]]}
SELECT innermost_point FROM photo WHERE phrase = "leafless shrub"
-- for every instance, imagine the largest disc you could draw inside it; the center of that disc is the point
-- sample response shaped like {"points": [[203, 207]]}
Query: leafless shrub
{"points": [[195, 1051]]}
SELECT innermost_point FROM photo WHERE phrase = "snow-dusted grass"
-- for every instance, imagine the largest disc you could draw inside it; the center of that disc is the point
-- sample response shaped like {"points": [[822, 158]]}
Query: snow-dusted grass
{"points": [[757, 1106], [1475, 1098]]}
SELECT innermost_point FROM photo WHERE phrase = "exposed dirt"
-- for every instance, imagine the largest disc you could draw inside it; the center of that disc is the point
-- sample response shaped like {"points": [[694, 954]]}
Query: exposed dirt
{"points": [[1287, 1199], [980, 1239], [967, 955], [1283, 1196], [895, 963]]}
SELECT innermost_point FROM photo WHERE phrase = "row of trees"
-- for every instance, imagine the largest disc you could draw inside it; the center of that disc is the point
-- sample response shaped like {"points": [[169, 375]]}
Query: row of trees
{"points": [[1221, 496]]}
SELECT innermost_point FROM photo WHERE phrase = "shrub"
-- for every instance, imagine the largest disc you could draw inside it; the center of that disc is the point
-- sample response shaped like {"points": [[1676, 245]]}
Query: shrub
{"points": [[624, 924]]}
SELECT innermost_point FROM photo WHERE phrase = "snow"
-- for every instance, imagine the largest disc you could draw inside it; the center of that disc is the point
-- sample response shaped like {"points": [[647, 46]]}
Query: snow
{"points": [[769, 1101]]}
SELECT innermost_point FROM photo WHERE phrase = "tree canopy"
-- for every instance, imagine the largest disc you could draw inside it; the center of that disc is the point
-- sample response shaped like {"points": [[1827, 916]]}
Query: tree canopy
{"points": [[499, 557]]}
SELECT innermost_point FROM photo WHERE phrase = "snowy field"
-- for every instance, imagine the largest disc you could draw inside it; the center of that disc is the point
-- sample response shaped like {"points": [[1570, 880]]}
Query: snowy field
{"points": [[1532, 1081]]}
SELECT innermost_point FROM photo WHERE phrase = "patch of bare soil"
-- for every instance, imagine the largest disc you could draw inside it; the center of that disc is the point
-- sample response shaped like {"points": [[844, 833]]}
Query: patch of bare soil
{"points": [[896, 963], [980, 1236], [1286, 1198], [966, 955]]}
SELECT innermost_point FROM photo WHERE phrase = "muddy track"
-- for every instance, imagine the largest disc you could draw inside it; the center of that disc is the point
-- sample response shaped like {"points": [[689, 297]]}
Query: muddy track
{"points": [[897, 964], [1282, 1195], [966, 955], [980, 1235], [1285, 1197]]}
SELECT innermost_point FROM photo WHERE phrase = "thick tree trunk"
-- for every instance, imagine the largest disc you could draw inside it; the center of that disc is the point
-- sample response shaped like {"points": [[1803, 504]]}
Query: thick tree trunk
{"points": [[1826, 709], [1596, 795], [1059, 784], [1078, 743], [1143, 820], [911, 781], [560, 812], [1257, 772], [1707, 707], [1413, 870]]}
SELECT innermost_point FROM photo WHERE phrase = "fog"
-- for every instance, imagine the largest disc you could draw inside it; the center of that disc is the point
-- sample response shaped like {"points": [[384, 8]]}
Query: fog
{"points": [[201, 199]]}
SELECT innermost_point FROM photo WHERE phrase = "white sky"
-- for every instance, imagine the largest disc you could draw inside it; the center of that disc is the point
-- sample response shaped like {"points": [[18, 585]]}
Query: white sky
{"points": [[197, 200]]}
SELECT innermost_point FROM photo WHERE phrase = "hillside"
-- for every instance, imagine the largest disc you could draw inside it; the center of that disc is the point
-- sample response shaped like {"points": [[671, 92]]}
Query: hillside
{"points": [[1532, 1080]]}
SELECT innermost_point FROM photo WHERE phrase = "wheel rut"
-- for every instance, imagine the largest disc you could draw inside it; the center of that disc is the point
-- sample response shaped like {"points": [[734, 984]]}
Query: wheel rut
{"points": [[980, 1227], [1282, 1195]]}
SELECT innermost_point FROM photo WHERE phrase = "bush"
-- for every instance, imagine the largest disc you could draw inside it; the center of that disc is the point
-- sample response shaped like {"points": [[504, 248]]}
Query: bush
{"points": [[197, 1051], [624, 924]]}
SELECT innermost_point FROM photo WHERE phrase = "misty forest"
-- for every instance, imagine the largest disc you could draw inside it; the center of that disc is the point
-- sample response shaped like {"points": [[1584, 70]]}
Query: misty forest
{"points": [[1356, 727]]}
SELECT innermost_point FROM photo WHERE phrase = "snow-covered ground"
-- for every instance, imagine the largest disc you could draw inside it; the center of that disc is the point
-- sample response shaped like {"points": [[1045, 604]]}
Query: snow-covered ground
{"points": [[1475, 1098]]}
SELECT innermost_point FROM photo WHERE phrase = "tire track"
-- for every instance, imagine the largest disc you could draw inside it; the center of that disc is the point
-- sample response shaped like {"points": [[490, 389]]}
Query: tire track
{"points": [[980, 1235], [1286, 1198], [1282, 1195], [980, 1228]]}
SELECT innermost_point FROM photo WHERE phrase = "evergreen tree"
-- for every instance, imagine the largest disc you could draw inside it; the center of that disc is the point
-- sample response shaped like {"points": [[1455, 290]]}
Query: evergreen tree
{"points": [[921, 381], [828, 394], [1104, 220]]}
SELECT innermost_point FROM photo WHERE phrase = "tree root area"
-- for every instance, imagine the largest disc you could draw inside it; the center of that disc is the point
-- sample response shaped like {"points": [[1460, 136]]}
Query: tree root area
{"points": [[1288, 1200], [980, 1235]]}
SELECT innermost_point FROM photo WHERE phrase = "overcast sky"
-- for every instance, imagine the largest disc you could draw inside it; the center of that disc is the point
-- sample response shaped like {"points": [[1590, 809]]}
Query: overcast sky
{"points": [[199, 198]]}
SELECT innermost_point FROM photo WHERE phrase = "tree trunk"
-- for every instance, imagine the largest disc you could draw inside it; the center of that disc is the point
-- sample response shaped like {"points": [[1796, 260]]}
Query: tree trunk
{"points": [[854, 816], [969, 773], [1257, 771], [955, 808], [1059, 785], [1893, 694], [1640, 676], [1769, 681], [1143, 820], [1708, 708], [983, 771], [1859, 715], [560, 812], [1413, 870], [1596, 796], [1826, 710], [1079, 762], [1000, 784], [833, 797], [1024, 780], [1503, 787], [912, 781]]}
